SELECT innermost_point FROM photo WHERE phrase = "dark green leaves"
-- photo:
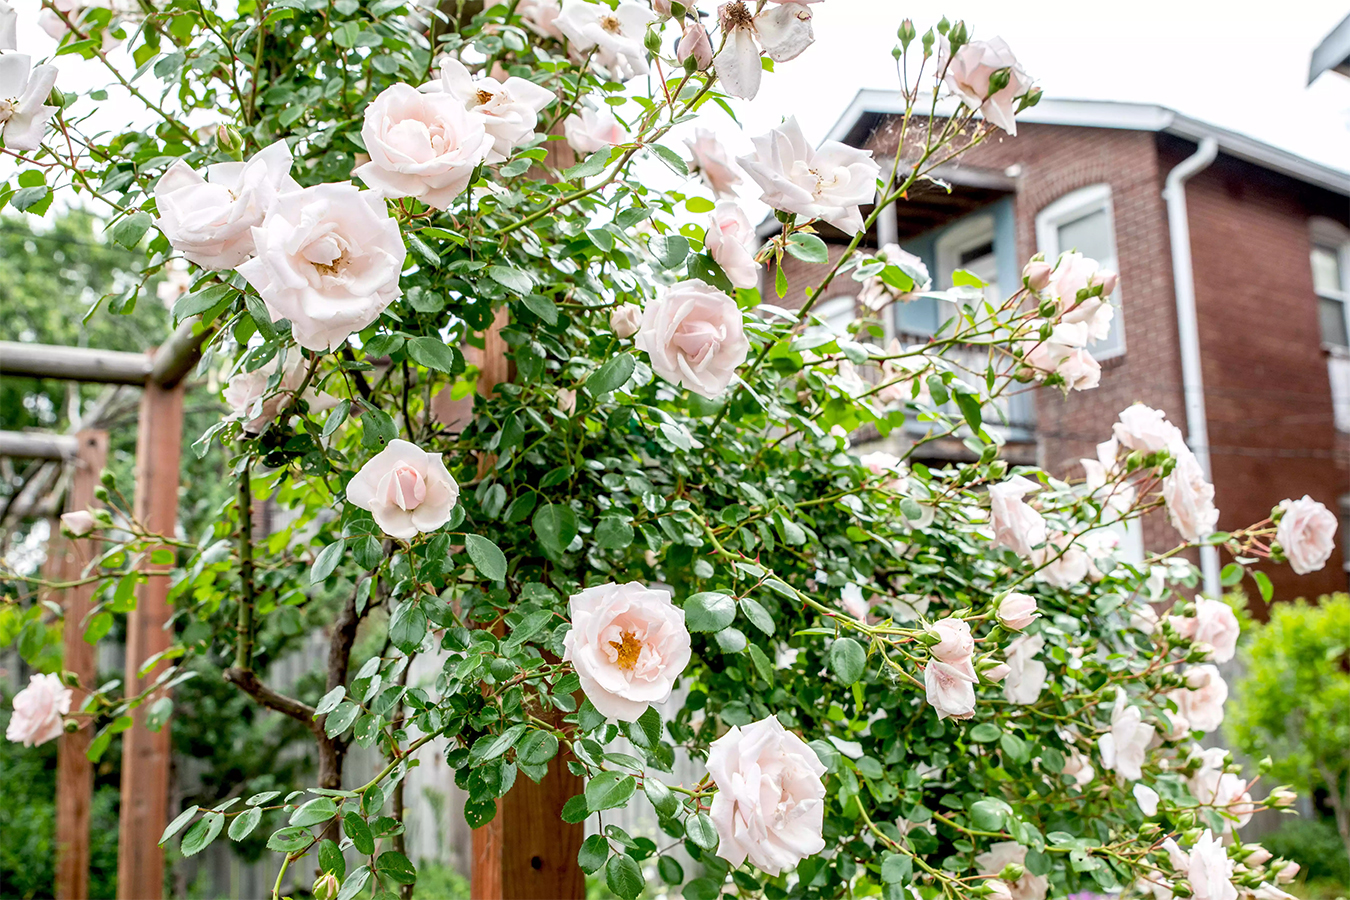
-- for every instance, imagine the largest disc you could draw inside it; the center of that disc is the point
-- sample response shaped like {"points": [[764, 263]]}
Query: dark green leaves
{"points": [[611, 376], [326, 561], [593, 853], [487, 557], [757, 614], [396, 867], [670, 250], [591, 165], [178, 822], [623, 876], [709, 611], [244, 823], [700, 830], [129, 230], [315, 812], [513, 280], [896, 869], [555, 526], [432, 353], [356, 828], [847, 660], [609, 790], [202, 833]]}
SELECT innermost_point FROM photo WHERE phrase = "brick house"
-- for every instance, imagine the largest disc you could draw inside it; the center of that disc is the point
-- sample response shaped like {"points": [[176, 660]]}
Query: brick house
{"points": [[1240, 334]]}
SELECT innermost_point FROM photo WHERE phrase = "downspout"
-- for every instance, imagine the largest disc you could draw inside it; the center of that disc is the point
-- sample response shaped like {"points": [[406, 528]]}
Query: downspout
{"points": [[1192, 376]]}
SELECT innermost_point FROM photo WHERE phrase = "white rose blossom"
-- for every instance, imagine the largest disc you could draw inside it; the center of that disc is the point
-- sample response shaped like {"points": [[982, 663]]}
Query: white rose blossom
{"points": [[695, 337], [1026, 674], [628, 644], [1202, 700], [422, 145], [1212, 786], [615, 35], [329, 259], [590, 130], [1064, 353], [950, 688], [23, 93], [1214, 624], [1076, 273], [541, 16], [955, 643], [253, 405], [1016, 611], [1061, 563], [712, 163], [9, 27], [1016, 525], [77, 523], [967, 74], [1147, 798], [38, 709], [510, 108], [829, 182], [770, 800], [1210, 871], [1079, 768], [1306, 534], [853, 601], [406, 489], [784, 31], [1146, 429], [1124, 747], [1190, 498], [996, 859], [625, 319], [732, 241]]}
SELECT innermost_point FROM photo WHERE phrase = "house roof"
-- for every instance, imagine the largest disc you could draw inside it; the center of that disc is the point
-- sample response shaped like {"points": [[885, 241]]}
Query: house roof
{"points": [[1333, 53], [869, 105]]}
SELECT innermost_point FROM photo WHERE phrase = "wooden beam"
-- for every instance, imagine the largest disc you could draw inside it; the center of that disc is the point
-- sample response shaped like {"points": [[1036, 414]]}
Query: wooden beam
{"points": [[37, 445], [74, 771], [73, 363], [145, 754]]}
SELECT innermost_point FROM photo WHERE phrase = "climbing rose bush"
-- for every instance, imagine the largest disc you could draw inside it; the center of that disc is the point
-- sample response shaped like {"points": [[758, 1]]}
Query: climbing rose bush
{"points": [[527, 411]]}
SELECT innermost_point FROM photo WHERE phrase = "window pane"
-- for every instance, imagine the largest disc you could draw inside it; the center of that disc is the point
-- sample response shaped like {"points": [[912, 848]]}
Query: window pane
{"points": [[1090, 235], [1332, 314], [918, 317], [1326, 270]]}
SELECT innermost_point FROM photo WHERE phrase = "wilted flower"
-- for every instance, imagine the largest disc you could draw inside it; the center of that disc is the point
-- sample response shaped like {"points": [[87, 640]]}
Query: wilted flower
{"points": [[784, 31]]}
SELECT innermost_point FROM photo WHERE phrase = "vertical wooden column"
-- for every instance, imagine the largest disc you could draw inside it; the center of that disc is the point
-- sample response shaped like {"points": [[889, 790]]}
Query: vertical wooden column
{"points": [[74, 771], [145, 754], [527, 852]]}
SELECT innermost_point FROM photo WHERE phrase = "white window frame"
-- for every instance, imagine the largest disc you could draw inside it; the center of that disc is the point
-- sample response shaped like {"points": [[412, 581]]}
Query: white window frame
{"points": [[1075, 205], [973, 232], [1332, 235]]}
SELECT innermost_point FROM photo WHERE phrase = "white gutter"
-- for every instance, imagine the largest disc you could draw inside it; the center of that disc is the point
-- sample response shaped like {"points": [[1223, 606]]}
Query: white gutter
{"points": [[1192, 377]]}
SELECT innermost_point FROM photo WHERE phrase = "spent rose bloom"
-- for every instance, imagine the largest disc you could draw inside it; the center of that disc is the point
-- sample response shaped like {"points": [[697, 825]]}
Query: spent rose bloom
{"points": [[996, 859], [1026, 674], [712, 163], [1147, 798], [695, 337], [1190, 498], [1076, 273], [1017, 611], [406, 489], [510, 108], [1202, 700], [732, 242], [616, 35], [1210, 871], [827, 183], [968, 74], [210, 219], [590, 130], [784, 31], [770, 801], [950, 688], [38, 709], [628, 644], [1215, 624], [955, 643], [1147, 430], [1306, 534], [1016, 525], [255, 406], [78, 523], [329, 258], [625, 319], [422, 145], [1124, 746], [23, 94]]}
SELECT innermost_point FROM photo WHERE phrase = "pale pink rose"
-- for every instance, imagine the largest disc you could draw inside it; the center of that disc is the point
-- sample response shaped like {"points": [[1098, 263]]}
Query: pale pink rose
{"points": [[591, 130], [541, 16], [1061, 563], [694, 336], [1210, 872], [661, 7], [955, 642], [968, 74], [1287, 871], [1306, 534], [1036, 274], [950, 688], [615, 35], [784, 31], [695, 43], [1202, 700], [829, 182], [1190, 498], [567, 400], [9, 27], [210, 220], [996, 859], [1064, 354], [625, 319], [78, 523], [998, 890], [1257, 855], [712, 163], [1016, 525], [1124, 747], [1225, 791], [1144, 618], [23, 94], [1026, 674], [732, 241], [1175, 725], [406, 489], [329, 259], [879, 462], [854, 603], [996, 674], [1017, 611], [1213, 624], [1147, 430], [1076, 273], [1147, 798], [770, 800], [422, 145], [510, 108], [255, 406], [628, 645], [38, 709], [1079, 768], [1271, 892]]}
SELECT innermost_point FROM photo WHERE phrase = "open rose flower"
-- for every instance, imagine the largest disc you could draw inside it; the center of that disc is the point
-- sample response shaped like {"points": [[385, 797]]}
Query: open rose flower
{"points": [[1212, 786], [1016, 525], [23, 92], [614, 34], [829, 182], [997, 858], [1306, 534], [1202, 700], [1147, 798], [950, 688], [1213, 624], [9, 26], [1210, 871], [329, 259], [770, 800], [784, 31], [406, 489], [254, 405], [510, 108], [38, 709], [628, 644], [1060, 562], [1146, 429], [1190, 498], [422, 145], [1026, 674], [712, 163], [955, 644], [1064, 353], [591, 130], [1075, 274], [541, 16], [732, 242], [1123, 747], [694, 336], [210, 219], [968, 75]]}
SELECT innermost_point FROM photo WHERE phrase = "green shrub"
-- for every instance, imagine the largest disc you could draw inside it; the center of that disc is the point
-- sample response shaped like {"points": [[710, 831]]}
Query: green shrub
{"points": [[1315, 846]]}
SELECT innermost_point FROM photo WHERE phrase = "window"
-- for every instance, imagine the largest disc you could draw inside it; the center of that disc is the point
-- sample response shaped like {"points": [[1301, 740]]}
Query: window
{"points": [[969, 245], [1083, 221], [1329, 270]]}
